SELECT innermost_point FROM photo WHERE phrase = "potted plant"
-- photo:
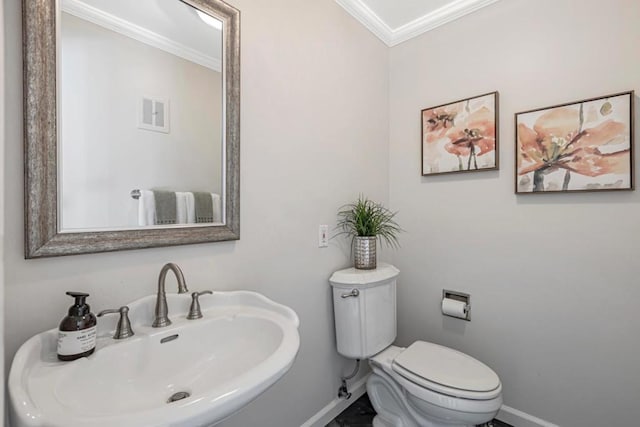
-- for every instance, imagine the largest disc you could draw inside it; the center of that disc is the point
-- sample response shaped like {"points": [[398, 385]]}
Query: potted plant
{"points": [[366, 221]]}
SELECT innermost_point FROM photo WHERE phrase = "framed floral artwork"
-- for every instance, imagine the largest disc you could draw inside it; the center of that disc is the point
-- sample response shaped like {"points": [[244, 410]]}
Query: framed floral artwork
{"points": [[578, 146], [461, 136]]}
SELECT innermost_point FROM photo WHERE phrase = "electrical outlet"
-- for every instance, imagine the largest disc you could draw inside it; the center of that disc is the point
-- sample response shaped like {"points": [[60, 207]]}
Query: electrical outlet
{"points": [[323, 236]]}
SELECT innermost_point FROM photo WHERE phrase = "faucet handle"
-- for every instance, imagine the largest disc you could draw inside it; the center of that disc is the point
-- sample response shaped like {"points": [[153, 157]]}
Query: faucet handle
{"points": [[194, 311], [123, 330]]}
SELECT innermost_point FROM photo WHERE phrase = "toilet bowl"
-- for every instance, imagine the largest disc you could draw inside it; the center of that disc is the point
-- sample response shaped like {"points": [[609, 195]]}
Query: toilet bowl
{"points": [[428, 385], [423, 385]]}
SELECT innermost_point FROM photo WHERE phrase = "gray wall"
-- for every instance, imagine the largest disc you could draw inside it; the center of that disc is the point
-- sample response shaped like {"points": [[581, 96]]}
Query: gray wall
{"points": [[553, 278], [3, 132], [314, 135]]}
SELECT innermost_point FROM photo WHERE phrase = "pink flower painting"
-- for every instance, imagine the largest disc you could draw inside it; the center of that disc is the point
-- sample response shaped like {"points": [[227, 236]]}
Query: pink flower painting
{"points": [[460, 136], [576, 147]]}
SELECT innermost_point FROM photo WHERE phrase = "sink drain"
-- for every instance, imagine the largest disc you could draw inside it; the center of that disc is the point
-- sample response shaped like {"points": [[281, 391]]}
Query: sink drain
{"points": [[178, 396]]}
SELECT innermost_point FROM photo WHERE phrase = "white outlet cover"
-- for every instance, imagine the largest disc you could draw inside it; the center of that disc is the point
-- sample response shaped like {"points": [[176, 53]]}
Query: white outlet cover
{"points": [[323, 236]]}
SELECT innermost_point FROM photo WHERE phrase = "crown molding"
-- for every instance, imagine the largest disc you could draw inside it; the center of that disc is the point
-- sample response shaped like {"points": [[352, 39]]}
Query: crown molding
{"points": [[368, 18], [136, 32], [391, 37], [444, 15]]}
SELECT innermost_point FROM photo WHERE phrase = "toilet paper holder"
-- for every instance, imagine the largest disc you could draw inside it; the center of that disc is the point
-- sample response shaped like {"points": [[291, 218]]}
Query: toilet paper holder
{"points": [[458, 296]]}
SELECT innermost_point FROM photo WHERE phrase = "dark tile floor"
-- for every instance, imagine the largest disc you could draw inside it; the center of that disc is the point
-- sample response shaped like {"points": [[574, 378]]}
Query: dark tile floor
{"points": [[361, 413]]}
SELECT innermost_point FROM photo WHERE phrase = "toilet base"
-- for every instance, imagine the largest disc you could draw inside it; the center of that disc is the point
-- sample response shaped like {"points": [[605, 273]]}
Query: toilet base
{"points": [[396, 408]]}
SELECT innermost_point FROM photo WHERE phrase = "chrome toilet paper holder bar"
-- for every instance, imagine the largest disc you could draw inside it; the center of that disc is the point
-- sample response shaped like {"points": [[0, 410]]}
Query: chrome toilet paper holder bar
{"points": [[458, 296]]}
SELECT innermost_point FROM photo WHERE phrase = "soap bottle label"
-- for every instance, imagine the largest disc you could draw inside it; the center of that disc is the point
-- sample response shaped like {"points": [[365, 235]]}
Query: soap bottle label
{"points": [[75, 342]]}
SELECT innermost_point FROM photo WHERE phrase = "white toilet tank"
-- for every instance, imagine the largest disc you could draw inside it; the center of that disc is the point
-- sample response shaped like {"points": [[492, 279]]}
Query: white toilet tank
{"points": [[364, 306]]}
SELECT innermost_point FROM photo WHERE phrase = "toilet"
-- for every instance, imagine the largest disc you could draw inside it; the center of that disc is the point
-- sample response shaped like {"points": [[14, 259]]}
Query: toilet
{"points": [[422, 385]]}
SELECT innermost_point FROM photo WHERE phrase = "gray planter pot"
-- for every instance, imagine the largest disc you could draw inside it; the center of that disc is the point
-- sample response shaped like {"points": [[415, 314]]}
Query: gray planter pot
{"points": [[364, 253]]}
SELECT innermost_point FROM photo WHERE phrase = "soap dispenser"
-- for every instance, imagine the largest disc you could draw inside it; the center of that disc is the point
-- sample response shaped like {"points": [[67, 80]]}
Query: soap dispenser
{"points": [[77, 331]]}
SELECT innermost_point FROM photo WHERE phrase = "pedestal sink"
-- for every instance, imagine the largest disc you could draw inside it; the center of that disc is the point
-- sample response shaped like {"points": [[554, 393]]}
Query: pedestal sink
{"points": [[191, 373]]}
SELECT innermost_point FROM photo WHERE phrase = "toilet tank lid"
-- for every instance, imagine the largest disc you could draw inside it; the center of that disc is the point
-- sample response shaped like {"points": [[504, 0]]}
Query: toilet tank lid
{"points": [[354, 277]]}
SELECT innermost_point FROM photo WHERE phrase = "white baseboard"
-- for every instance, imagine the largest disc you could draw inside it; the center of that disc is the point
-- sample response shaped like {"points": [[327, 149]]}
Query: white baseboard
{"points": [[521, 419], [507, 414], [337, 405]]}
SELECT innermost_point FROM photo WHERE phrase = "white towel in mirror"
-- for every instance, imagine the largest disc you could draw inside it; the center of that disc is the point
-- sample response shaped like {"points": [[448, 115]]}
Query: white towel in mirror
{"points": [[185, 208], [217, 207], [146, 208]]}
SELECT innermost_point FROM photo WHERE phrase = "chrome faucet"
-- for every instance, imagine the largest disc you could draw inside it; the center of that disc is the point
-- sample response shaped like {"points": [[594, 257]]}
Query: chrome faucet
{"points": [[194, 311], [123, 330], [161, 318]]}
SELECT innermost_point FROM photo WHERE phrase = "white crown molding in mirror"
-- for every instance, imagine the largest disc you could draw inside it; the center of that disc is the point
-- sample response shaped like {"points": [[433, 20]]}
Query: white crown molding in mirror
{"points": [[391, 37], [136, 32]]}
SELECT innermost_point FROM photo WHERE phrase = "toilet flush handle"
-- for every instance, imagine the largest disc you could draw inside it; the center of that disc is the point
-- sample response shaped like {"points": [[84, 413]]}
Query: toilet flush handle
{"points": [[353, 293]]}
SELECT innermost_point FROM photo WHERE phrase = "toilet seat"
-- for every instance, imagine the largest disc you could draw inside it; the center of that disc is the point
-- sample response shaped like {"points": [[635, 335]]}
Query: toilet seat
{"points": [[446, 371]]}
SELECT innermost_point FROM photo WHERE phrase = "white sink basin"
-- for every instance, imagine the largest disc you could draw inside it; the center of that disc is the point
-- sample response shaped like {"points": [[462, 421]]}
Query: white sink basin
{"points": [[243, 345]]}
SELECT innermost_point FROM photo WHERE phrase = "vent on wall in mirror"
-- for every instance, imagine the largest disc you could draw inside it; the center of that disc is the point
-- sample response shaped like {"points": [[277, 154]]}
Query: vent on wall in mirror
{"points": [[154, 114]]}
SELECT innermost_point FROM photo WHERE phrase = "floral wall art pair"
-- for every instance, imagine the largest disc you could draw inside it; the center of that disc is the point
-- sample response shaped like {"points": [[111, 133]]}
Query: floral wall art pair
{"points": [[578, 146]]}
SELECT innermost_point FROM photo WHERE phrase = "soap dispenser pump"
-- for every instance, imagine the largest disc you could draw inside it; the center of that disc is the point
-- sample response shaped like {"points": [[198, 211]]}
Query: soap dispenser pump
{"points": [[77, 331]]}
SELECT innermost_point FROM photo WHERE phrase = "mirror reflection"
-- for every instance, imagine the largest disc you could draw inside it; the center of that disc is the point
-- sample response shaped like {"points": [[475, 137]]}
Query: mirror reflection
{"points": [[140, 101]]}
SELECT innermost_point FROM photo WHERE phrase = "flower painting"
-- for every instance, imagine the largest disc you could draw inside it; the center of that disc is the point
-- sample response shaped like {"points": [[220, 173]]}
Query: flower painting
{"points": [[460, 136], [581, 146]]}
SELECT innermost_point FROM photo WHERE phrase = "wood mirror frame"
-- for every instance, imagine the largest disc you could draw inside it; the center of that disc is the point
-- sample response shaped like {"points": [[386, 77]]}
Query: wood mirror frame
{"points": [[42, 234]]}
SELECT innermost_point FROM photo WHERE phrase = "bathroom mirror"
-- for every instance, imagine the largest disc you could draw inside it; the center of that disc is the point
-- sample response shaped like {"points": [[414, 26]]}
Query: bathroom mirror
{"points": [[127, 102]]}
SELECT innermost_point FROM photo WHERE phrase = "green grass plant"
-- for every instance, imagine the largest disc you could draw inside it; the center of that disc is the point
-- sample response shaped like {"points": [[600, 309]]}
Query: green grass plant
{"points": [[366, 218]]}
